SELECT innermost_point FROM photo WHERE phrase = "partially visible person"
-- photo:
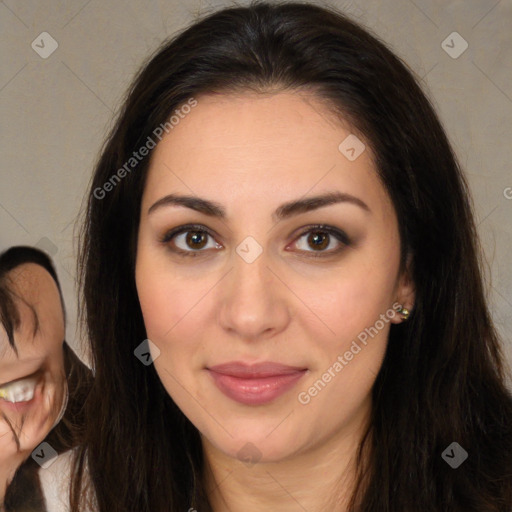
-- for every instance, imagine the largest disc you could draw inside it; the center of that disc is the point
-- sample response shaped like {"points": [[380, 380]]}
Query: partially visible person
{"points": [[38, 374]]}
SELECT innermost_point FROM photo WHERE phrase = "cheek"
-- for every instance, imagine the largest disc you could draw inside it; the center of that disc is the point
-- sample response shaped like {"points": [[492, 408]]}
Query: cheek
{"points": [[154, 292], [173, 308], [346, 304], [165, 303]]}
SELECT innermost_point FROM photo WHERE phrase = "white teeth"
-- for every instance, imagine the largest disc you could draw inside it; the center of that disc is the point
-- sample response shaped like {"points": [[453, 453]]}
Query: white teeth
{"points": [[20, 391]]}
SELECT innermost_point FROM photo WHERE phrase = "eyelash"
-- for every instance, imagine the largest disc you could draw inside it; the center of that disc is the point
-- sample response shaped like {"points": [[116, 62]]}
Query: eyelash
{"points": [[336, 233]]}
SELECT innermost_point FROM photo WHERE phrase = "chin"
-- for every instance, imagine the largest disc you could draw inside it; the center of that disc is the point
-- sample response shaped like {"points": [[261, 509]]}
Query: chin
{"points": [[256, 442]]}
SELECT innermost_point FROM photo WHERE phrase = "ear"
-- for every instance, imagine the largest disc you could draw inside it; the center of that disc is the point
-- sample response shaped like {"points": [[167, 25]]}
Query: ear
{"points": [[405, 292]]}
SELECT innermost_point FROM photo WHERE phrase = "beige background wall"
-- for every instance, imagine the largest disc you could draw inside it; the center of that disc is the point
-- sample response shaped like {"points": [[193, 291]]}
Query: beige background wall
{"points": [[55, 111]]}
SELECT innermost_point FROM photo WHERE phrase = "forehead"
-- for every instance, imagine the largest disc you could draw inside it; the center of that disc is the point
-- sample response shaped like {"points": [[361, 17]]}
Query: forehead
{"points": [[262, 147], [284, 125], [33, 283], [35, 294]]}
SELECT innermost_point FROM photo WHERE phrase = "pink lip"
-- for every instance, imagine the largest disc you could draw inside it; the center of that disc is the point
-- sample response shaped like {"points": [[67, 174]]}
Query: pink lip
{"points": [[255, 384]]}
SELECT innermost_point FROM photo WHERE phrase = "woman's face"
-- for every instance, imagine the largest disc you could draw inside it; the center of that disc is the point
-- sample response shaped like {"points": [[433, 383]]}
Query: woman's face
{"points": [[32, 382], [243, 285]]}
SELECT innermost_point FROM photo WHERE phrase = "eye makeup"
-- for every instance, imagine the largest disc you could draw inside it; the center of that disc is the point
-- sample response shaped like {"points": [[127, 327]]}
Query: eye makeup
{"points": [[170, 236]]}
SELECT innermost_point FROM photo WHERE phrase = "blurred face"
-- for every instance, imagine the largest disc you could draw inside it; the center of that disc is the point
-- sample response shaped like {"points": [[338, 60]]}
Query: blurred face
{"points": [[269, 301], [32, 383]]}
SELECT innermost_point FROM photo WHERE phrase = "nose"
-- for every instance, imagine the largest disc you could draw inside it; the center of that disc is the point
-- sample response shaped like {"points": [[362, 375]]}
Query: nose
{"points": [[254, 300]]}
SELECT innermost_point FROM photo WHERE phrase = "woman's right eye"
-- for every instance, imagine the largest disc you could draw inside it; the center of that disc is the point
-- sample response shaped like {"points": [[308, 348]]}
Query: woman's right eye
{"points": [[189, 240]]}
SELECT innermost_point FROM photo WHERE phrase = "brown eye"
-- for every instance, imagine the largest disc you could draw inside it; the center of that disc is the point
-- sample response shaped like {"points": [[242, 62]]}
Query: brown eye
{"points": [[319, 238], [196, 239], [190, 240]]}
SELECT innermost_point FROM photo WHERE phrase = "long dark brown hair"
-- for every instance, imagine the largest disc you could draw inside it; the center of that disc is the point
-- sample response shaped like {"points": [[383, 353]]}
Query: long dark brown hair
{"points": [[443, 379]]}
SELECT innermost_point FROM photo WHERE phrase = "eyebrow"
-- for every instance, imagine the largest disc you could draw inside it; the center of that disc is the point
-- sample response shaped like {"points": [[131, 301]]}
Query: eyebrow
{"points": [[286, 210]]}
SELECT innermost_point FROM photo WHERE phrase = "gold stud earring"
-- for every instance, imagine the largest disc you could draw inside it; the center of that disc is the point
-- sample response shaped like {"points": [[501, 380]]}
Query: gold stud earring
{"points": [[405, 313]]}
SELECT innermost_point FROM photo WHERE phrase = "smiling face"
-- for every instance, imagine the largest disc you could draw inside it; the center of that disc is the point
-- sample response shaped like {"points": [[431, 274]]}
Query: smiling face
{"points": [[32, 382], [253, 281]]}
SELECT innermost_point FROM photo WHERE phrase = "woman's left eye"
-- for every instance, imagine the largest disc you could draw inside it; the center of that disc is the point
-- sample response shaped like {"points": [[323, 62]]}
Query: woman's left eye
{"points": [[192, 239], [320, 237]]}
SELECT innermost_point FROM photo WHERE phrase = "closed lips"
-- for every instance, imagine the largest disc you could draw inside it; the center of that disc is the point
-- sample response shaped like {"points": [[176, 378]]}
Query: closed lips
{"points": [[256, 384], [258, 371]]}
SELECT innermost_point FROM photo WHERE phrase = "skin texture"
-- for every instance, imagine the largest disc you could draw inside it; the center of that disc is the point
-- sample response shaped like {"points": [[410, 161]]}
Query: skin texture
{"points": [[24, 425], [251, 153]]}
